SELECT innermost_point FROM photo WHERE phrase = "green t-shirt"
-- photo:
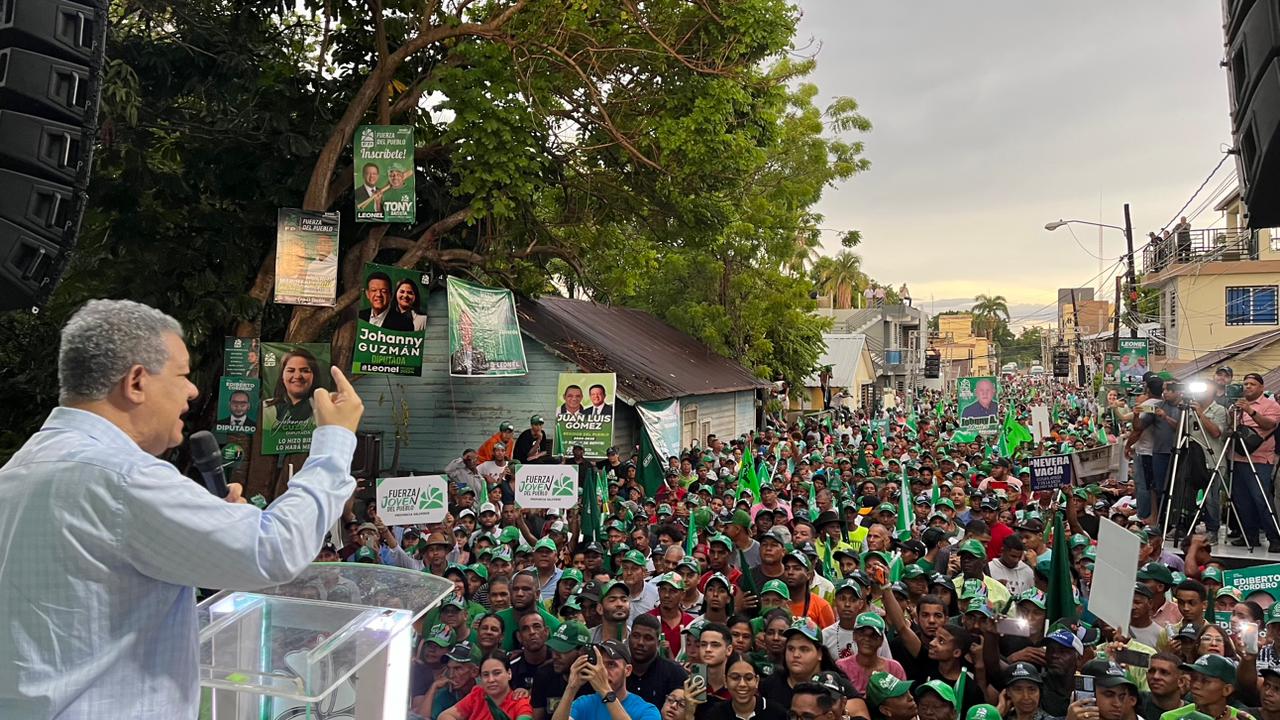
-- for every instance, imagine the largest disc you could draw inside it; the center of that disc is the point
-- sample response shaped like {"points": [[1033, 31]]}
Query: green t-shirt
{"points": [[508, 617]]}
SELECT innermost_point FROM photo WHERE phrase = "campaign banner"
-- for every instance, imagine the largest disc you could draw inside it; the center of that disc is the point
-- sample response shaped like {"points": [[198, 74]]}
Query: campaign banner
{"points": [[1096, 464], [1134, 362], [1111, 369], [1049, 472], [978, 402], [484, 332], [306, 257], [237, 407], [1254, 581], [412, 500], [547, 486], [383, 168], [240, 357], [291, 372], [391, 327], [584, 414]]}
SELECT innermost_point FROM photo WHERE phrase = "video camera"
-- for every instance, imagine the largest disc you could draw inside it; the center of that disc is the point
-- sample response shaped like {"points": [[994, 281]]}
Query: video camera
{"points": [[1235, 391]]}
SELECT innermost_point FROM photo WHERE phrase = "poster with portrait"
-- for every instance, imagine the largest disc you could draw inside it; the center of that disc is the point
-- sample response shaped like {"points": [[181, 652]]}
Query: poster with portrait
{"points": [[240, 357], [978, 402], [306, 257], [391, 327], [1134, 362], [291, 373], [584, 412], [384, 174], [238, 407], [1111, 369], [484, 332]]}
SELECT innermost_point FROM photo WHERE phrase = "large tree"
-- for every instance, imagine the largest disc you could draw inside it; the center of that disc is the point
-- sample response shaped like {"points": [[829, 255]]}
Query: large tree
{"points": [[638, 150]]}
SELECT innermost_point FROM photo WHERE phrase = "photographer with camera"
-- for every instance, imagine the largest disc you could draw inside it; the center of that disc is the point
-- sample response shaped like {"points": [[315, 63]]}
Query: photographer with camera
{"points": [[1256, 419], [1208, 429]]}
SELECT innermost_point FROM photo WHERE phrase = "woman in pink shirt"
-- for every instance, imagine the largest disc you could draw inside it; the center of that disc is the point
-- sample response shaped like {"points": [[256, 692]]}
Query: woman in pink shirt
{"points": [[868, 635]]}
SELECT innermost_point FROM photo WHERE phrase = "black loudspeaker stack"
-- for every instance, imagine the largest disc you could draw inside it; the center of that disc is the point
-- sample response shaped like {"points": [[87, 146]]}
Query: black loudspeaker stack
{"points": [[51, 66], [1253, 68]]}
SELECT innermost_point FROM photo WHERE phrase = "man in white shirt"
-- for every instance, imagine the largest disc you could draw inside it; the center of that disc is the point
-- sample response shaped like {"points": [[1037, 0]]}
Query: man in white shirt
{"points": [[1009, 569], [492, 470]]}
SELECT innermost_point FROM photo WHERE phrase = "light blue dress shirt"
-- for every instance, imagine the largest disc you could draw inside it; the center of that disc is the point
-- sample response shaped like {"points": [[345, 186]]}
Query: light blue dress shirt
{"points": [[101, 545]]}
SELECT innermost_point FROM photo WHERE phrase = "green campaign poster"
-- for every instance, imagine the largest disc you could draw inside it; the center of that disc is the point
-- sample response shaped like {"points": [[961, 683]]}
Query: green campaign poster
{"points": [[978, 401], [1134, 362], [484, 332], [384, 174], [1257, 583], [584, 412], [240, 357], [237, 407], [391, 327], [1111, 369], [306, 257], [291, 372]]}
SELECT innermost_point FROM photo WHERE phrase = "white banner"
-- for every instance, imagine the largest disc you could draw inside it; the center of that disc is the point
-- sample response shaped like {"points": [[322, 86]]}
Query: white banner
{"points": [[662, 420], [412, 500], [1114, 574], [547, 486]]}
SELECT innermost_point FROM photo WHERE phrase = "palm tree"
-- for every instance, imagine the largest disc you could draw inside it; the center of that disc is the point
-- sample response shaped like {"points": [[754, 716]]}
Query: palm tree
{"points": [[987, 313], [804, 253], [842, 278]]}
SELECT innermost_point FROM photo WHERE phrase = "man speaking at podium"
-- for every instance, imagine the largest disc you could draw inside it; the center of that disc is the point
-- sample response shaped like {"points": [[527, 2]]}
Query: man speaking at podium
{"points": [[103, 542]]}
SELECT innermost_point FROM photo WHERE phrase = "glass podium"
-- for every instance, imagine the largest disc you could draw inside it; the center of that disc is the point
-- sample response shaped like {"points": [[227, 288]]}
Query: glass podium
{"points": [[334, 644]]}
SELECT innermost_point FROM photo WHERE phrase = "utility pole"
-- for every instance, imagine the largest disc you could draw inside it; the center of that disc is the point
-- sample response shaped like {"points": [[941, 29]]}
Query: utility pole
{"points": [[1115, 333], [1075, 320], [1133, 278]]}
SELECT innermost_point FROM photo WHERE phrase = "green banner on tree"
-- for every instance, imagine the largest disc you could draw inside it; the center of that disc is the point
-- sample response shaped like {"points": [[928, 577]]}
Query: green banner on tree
{"points": [[384, 174], [978, 402], [291, 373], [584, 415], [391, 327], [484, 332], [237, 407], [240, 357], [306, 257], [1134, 362]]}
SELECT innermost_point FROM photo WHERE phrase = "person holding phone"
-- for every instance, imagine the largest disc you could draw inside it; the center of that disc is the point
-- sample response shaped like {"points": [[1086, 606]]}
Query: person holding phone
{"points": [[604, 668]]}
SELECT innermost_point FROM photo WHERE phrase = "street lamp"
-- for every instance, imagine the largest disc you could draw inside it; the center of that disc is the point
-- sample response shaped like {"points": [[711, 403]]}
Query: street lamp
{"points": [[1059, 223]]}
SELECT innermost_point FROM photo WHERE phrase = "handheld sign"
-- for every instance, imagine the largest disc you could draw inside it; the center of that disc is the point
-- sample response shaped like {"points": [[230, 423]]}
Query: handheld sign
{"points": [[412, 500], [1050, 472], [547, 486]]}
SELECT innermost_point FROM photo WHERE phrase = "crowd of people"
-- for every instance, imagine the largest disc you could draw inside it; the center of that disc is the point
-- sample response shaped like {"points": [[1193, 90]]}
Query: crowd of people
{"points": [[891, 565]]}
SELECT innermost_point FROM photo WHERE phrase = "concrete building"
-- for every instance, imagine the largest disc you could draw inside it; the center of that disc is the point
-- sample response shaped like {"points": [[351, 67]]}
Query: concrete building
{"points": [[897, 337], [962, 353], [1218, 287]]}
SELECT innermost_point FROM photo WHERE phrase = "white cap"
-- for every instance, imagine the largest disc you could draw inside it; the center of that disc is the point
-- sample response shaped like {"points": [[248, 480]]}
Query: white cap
{"points": [[465, 512], [488, 507]]}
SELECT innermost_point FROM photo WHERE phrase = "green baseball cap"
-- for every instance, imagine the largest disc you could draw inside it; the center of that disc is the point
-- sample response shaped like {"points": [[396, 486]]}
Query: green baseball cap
{"points": [[1228, 591], [941, 502], [798, 556], [480, 570], [366, 553], [1213, 573], [849, 583], [672, 579], [571, 573], [1035, 597], [912, 572], [509, 534], [536, 420], [806, 627], [887, 507], [569, 636], [501, 553], [972, 547], [778, 587], [880, 554], [740, 518], [1214, 666], [1079, 540], [883, 686], [635, 557], [545, 544], [441, 635], [506, 427], [612, 585], [1273, 613], [454, 601], [870, 620], [940, 688], [1156, 571], [718, 539], [665, 509], [982, 712]]}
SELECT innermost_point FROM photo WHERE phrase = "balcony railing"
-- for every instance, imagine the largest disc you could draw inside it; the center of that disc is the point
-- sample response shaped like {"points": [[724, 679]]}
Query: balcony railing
{"points": [[1197, 246]]}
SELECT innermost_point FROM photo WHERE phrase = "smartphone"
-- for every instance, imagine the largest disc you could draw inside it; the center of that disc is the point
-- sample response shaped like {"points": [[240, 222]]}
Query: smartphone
{"points": [[1084, 688], [1133, 658], [1013, 626], [1249, 637]]}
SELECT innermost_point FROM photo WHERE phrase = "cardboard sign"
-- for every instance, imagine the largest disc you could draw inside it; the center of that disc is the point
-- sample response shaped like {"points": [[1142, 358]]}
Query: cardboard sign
{"points": [[412, 500], [547, 486], [1257, 579], [1114, 574], [1097, 464], [1049, 472], [1040, 422]]}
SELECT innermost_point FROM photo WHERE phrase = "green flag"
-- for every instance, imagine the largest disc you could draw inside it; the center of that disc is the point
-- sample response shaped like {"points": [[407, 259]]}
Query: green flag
{"points": [[1013, 434], [964, 436], [747, 478], [938, 410], [1060, 601], [650, 465], [1099, 433], [905, 509]]}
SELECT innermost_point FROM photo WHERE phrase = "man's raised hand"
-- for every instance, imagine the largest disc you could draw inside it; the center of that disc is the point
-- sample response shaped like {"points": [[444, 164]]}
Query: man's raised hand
{"points": [[342, 407]]}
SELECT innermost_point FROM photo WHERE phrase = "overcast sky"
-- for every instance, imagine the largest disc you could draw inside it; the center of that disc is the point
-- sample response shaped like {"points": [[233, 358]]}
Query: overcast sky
{"points": [[992, 117]]}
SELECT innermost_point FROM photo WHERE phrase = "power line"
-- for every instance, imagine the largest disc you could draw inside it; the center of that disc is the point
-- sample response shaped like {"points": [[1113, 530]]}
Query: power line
{"points": [[1197, 192]]}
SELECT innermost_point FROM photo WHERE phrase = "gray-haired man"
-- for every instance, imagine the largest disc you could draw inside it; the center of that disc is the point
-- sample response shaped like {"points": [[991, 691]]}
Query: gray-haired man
{"points": [[108, 541]]}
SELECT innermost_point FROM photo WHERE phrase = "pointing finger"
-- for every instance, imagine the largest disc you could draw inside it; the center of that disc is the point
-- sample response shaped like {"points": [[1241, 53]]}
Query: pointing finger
{"points": [[340, 381]]}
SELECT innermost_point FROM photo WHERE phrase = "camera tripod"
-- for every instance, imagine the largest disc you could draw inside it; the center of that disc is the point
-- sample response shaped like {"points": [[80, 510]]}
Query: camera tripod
{"points": [[1234, 443]]}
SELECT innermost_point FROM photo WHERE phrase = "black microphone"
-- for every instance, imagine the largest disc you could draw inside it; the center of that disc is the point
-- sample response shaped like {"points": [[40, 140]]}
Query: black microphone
{"points": [[207, 458]]}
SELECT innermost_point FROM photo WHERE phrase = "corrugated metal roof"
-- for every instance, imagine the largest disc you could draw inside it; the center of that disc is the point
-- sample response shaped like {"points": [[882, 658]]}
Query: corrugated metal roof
{"points": [[653, 360], [1217, 357], [843, 353]]}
